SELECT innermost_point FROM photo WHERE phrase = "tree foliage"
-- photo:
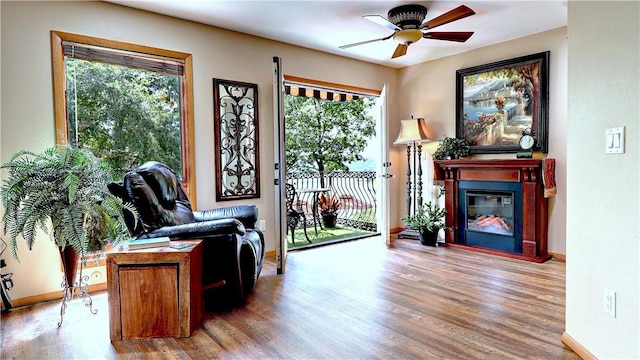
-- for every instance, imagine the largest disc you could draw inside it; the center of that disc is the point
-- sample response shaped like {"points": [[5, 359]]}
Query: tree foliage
{"points": [[125, 116], [325, 135]]}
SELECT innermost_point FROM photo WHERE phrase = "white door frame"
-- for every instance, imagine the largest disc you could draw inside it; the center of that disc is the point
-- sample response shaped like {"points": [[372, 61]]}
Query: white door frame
{"points": [[383, 165], [279, 166]]}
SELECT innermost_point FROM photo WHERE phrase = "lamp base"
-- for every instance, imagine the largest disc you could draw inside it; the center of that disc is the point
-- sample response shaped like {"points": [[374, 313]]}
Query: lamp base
{"points": [[409, 234]]}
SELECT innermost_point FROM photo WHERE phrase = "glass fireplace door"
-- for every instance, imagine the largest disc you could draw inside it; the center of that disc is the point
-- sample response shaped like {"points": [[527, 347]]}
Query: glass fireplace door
{"points": [[490, 215], [491, 212]]}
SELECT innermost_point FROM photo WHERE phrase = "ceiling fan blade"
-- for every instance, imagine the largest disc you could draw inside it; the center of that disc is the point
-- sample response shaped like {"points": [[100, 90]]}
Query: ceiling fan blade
{"points": [[400, 50], [364, 42], [456, 14], [381, 21], [459, 36]]}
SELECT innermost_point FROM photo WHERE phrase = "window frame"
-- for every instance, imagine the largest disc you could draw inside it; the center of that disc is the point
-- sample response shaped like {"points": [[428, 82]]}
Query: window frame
{"points": [[186, 88]]}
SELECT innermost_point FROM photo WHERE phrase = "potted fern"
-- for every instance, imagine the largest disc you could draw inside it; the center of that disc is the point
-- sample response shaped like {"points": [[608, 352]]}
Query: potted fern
{"points": [[451, 148], [428, 220], [65, 191]]}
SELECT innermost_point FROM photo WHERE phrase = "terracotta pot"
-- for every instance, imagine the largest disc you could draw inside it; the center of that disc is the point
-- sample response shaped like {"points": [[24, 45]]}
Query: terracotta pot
{"points": [[70, 264]]}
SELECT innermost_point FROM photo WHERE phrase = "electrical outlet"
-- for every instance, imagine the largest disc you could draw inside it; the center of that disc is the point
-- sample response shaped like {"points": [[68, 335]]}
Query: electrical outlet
{"points": [[263, 225], [94, 274], [610, 302]]}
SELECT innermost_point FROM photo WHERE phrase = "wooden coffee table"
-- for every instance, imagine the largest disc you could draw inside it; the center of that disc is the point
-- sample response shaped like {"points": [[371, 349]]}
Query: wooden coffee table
{"points": [[155, 292]]}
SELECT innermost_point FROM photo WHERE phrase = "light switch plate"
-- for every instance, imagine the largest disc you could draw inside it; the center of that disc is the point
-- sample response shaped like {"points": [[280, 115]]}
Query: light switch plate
{"points": [[614, 140]]}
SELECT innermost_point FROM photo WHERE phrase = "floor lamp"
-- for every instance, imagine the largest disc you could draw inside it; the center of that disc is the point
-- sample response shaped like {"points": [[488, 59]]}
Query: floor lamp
{"points": [[413, 133]]}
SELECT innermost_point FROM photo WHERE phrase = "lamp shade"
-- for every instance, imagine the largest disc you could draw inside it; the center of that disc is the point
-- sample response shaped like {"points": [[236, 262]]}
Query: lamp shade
{"points": [[412, 130]]}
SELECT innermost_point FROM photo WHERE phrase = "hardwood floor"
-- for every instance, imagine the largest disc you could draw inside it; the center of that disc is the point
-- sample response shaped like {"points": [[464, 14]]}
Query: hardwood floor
{"points": [[352, 300]]}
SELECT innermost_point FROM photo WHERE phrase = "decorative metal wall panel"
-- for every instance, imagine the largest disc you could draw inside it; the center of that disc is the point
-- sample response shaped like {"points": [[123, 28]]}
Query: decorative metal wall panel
{"points": [[236, 140]]}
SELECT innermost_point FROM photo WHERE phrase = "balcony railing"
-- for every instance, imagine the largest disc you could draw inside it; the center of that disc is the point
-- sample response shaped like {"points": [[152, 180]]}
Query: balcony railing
{"points": [[356, 190]]}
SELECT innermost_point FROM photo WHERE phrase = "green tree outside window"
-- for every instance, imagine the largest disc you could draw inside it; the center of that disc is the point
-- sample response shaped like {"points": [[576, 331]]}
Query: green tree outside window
{"points": [[125, 116], [325, 135]]}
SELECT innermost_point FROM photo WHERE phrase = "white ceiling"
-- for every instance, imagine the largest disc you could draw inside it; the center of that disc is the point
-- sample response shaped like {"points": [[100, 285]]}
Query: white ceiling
{"points": [[326, 24]]}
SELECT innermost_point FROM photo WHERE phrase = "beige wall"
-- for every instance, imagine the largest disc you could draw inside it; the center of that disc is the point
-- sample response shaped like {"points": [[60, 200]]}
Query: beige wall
{"points": [[597, 204], [27, 103], [428, 91], [603, 191]]}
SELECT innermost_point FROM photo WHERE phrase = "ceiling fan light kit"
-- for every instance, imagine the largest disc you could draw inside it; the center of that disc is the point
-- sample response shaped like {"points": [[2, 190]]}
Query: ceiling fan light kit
{"points": [[407, 36], [407, 23]]}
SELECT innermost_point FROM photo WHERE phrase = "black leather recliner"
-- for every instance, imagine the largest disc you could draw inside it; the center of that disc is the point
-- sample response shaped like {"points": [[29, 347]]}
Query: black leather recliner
{"points": [[233, 249]]}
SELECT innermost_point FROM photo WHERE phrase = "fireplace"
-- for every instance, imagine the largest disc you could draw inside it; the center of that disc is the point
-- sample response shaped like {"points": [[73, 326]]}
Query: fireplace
{"points": [[496, 206], [491, 215]]}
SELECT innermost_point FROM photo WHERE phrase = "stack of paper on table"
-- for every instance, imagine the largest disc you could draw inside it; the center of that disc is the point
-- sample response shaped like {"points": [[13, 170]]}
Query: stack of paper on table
{"points": [[149, 243]]}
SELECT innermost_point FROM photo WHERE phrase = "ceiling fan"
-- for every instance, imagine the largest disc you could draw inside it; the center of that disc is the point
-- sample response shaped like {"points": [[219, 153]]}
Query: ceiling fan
{"points": [[406, 22]]}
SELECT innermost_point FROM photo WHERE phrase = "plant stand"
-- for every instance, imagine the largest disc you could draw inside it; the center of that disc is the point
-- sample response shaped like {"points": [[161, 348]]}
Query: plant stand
{"points": [[409, 234], [80, 285]]}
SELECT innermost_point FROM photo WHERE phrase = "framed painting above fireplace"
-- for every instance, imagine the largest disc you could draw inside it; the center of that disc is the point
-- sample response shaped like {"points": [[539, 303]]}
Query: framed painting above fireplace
{"points": [[497, 102]]}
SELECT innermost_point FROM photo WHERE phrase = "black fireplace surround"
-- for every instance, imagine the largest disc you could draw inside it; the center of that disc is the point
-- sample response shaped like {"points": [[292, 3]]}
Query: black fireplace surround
{"points": [[491, 215]]}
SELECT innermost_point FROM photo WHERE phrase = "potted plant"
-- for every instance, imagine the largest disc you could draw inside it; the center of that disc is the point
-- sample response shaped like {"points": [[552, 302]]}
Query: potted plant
{"points": [[329, 206], [451, 148], [66, 191], [428, 220]]}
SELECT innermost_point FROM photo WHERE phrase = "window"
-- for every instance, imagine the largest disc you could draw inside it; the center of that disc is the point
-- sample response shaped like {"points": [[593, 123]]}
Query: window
{"points": [[158, 125]]}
